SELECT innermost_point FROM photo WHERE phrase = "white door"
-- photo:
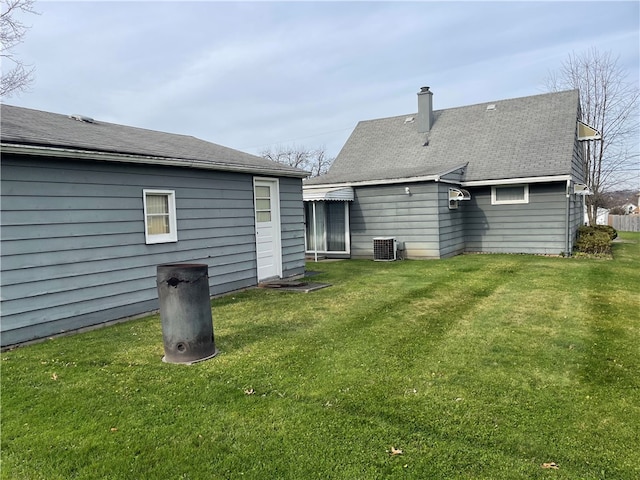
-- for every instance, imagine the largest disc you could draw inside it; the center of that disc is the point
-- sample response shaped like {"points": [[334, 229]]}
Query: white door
{"points": [[268, 247]]}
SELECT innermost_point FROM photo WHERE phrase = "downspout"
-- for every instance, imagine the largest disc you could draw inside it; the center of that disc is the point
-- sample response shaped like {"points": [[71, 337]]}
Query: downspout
{"points": [[567, 248]]}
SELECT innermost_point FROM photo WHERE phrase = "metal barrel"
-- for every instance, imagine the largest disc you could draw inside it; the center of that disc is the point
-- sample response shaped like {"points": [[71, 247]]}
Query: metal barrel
{"points": [[185, 312]]}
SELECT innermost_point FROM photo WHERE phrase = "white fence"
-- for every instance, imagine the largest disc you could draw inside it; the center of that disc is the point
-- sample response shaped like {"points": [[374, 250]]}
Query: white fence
{"points": [[625, 223]]}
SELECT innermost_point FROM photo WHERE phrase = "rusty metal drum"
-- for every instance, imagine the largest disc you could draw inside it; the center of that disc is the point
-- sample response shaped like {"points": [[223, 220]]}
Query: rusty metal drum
{"points": [[185, 312]]}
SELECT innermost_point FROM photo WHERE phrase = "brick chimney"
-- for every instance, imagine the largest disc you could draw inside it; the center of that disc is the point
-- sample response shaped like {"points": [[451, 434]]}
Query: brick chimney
{"points": [[425, 110]]}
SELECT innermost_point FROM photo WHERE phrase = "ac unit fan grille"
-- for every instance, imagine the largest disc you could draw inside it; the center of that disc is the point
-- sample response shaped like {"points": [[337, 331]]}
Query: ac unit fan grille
{"points": [[384, 249]]}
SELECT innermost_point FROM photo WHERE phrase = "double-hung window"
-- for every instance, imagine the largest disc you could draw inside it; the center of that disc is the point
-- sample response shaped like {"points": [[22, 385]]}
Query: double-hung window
{"points": [[160, 224], [509, 194]]}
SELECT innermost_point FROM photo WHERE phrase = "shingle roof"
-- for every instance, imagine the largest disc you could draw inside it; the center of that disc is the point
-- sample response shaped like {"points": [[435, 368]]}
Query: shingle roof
{"points": [[36, 128], [522, 137]]}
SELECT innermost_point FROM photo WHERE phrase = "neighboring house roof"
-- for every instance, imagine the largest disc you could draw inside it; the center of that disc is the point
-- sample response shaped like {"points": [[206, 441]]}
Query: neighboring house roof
{"points": [[50, 134], [504, 139]]}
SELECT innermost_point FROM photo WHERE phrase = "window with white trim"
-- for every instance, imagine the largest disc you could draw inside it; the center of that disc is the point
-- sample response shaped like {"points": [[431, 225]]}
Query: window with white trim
{"points": [[330, 232], [509, 194], [160, 224]]}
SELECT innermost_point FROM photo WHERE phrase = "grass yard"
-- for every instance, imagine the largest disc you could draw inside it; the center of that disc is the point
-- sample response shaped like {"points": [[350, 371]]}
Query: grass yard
{"points": [[475, 367]]}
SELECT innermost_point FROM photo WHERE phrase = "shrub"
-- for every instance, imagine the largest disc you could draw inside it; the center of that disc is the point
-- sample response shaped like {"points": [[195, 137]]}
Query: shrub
{"points": [[613, 234], [594, 240]]}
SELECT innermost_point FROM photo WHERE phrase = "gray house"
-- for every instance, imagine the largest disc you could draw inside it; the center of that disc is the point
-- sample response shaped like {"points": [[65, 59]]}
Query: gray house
{"points": [[89, 209], [504, 176]]}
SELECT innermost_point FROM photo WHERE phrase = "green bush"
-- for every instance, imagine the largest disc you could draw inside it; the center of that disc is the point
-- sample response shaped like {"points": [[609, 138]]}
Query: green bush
{"points": [[609, 230], [594, 240]]}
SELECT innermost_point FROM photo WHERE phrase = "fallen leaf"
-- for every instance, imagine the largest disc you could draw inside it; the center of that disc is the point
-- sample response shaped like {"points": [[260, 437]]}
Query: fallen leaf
{"points": [[395, 451], [114, 429], [553, 465], [54, 376]]}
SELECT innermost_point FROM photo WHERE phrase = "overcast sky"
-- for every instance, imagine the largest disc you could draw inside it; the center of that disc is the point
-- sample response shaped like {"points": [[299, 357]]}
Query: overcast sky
{"points": [[255, 75]]}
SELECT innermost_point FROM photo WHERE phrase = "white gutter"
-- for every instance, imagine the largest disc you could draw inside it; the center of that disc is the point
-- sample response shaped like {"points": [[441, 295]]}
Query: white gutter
{"points": [[373, 182], [451, 182], [391, 181], [514, 181], [437, 178], [72, 154]]}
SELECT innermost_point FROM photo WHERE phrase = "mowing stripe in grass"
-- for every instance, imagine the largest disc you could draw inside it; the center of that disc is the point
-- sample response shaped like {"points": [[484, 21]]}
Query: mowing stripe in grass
{"points": [[476, 367]]}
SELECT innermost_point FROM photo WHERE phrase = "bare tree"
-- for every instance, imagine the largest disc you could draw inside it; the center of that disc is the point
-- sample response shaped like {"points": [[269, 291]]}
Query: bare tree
{"points": [[610, 104], [314, 161], [18, 76]]}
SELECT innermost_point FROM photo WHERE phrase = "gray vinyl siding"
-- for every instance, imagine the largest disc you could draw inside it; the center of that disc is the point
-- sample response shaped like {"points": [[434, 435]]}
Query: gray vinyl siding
{"points": [[577, 201], [387, 211], [292, 220], [73, 244], [577, 163], [451, 224], [577, 160], [576, 218], [537, 227]]}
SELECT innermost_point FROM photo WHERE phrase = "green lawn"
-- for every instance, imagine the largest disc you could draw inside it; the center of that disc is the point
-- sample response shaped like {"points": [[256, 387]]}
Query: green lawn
{"points": [[479, 366]]}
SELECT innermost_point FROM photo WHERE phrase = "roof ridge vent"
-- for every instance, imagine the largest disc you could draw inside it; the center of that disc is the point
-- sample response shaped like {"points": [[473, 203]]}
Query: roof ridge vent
{"points": [[82, 118]]}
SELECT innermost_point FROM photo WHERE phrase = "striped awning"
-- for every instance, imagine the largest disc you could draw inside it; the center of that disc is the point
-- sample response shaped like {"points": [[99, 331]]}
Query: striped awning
{"points": [[340, 194]]}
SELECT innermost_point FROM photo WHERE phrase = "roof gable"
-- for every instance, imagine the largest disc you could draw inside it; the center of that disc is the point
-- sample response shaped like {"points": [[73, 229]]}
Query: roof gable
{"points": [[516, 138], [34, 128]]}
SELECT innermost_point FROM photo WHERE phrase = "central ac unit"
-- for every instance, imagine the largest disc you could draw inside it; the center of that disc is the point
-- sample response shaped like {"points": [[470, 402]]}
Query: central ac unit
{"points": [[384, 249]]}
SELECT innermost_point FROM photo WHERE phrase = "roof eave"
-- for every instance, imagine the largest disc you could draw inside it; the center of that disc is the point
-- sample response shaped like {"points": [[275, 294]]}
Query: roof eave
{"points": [[74, 154], [365, 183], [436, 178], [517, 180], [392, 181]]}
